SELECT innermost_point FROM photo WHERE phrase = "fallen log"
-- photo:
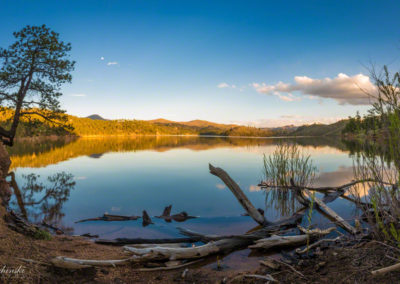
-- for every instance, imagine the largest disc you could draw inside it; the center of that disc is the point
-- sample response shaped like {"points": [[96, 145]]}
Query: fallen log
{"points": [[128, 241], [306, 249], [108, 217], [67, 262], [240, 196], [385, 270], [340, 221], [170, 245], [282, 241], [162, 268], [163, 253], [179, 217]]}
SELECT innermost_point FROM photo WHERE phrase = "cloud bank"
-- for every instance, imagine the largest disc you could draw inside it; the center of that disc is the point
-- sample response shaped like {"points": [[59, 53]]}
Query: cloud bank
{"points": [[112, 63], [343, 88]]}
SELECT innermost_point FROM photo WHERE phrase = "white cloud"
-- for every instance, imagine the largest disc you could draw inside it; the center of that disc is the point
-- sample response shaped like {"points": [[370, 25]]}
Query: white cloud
{"points": [[102, 58], [112, 63], [223, 85], [343, 88], [78, 95]]}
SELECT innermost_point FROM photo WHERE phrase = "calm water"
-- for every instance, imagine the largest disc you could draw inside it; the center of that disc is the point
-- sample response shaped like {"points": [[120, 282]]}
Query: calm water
{"points": [[124, 176]]}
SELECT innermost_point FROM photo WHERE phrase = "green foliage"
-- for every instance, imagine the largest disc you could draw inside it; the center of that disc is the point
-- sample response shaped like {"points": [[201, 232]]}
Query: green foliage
{"points": [[286, 163], [32, 70], [42, 235], [382, 164], [93, 127]]}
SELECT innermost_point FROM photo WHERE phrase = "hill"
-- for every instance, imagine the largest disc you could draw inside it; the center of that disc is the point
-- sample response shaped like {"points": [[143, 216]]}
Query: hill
{"points": [[96, 117], [334, 129]]}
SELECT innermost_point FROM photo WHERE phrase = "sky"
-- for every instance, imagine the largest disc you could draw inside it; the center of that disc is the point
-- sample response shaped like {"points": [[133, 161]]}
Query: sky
{"points": [[261, 63]]}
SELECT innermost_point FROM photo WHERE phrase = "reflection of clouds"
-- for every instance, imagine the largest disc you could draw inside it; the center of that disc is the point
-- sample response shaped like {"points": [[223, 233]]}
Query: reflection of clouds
{"points": [[254, 188], [80, 178], [341, 176], [220, 186], [115, 209]]}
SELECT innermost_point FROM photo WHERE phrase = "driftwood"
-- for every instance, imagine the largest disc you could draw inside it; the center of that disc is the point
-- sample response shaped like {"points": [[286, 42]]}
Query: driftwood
{"points": [[306, 249], [128, 241], [266, 277], [157, 250], [146, 219], [162, 268], [179, 217], [171, 245], [280, 241], [240, 196], [340, 221], [288, 265], [166, 212], [108, 217], [385, 270], [67, 262]]}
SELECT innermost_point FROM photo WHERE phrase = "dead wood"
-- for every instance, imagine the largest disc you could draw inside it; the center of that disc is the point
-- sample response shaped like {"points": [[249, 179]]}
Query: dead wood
{"points": [[185, 264], [316, 231], [146, 219], [267, 277], [306, 249], [240, 196], [129, 241], [171, 245], [73, 263], [179, 217], [288, 265], [20, 225], [327, 188], [166, 212], [108, 217], [284, 241], [385, 270], [340, 221], [163, 253]]}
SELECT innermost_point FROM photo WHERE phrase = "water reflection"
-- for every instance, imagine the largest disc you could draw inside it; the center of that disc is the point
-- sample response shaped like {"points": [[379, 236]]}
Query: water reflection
{"points": [[125, 175], [41, 202], [43, 152]]}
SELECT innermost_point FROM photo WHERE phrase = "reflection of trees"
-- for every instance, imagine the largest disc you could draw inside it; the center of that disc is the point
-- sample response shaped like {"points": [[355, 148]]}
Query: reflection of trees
{"points": [[42, 202], [40, 155]]}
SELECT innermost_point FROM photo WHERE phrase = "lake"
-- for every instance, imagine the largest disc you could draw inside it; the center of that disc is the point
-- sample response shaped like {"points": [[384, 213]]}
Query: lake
{"points": [[124, 176]]}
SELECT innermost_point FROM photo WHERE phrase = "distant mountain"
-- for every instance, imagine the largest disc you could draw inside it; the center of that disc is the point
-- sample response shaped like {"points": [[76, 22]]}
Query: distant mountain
{"points": [[96, 117], [334, 129], [194, 123]]}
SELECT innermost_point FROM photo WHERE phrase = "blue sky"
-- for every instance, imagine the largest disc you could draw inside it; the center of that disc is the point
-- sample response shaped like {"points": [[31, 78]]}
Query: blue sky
{"points": [[217, 60]]}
